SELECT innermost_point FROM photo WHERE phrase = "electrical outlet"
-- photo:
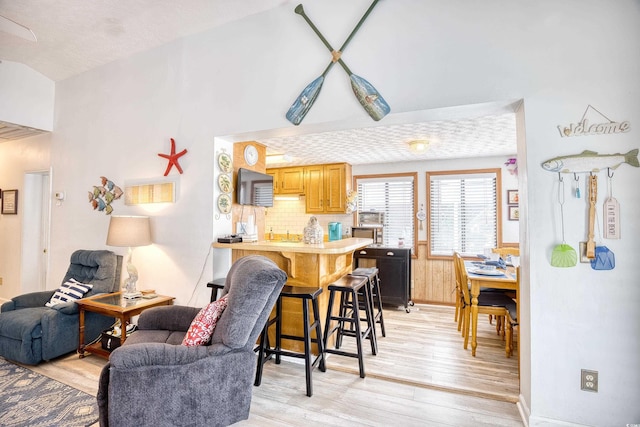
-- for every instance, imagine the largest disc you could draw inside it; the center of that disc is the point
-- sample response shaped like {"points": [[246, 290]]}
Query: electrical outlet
{"points": [[589, 380], [0, 280]]}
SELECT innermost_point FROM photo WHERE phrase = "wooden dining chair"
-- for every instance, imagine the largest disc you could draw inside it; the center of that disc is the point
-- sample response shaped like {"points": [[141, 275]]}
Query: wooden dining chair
{"points": [[460, 281], [504, 251], [494, 303], [459, 296]]}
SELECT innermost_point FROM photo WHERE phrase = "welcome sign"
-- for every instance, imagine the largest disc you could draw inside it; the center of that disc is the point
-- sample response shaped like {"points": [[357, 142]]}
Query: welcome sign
{"points": [[594, 125]]}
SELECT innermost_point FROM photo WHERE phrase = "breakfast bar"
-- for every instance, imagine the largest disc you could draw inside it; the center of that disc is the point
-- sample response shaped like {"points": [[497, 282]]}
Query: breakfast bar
{"points": [[308, 265]]}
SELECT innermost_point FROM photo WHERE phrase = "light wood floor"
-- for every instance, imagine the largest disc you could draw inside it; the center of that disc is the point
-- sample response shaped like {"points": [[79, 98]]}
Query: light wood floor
{"points": [[421, 377]]}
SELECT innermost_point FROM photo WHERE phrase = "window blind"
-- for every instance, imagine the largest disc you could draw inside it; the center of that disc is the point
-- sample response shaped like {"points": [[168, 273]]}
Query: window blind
{"points": [[394, 197], [463, 213]]}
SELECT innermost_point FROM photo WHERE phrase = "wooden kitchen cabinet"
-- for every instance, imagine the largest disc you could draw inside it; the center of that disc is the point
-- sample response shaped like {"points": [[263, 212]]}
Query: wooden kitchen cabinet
{"points": [[287, 180], [326, 187]]}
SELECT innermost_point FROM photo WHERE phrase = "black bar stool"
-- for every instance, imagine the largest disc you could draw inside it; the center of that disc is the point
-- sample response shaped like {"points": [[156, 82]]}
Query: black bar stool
{"points": [[215, 285], [349, 314], [266, 351], [374, 282]]}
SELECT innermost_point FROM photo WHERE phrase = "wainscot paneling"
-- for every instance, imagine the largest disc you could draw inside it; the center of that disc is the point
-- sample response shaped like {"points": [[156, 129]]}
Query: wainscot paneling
{"points": [[433, 279]]}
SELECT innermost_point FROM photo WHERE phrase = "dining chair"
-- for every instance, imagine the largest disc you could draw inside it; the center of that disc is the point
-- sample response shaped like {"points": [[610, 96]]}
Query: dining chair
{"points": [[504, 251], [512, 320], [494, 303], [459, 296]]}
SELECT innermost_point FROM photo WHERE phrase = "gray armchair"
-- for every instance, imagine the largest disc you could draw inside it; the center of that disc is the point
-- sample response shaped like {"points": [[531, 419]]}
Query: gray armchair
{"points": [[154, 380], [31, 332]]}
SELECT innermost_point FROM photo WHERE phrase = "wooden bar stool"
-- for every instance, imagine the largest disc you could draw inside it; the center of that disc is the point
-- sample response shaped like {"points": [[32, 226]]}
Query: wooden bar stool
{"points": [[374, 283], [266, 351], [349, 314]]}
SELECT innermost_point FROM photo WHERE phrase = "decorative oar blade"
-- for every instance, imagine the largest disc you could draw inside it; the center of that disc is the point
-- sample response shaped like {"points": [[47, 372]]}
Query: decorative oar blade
{"points": [[304, 102], [369, 97]]}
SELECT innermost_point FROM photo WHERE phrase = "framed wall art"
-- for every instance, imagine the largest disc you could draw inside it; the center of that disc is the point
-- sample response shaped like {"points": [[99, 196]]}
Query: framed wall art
{"points": [[514, 213], [10, 202], [512, 197]]}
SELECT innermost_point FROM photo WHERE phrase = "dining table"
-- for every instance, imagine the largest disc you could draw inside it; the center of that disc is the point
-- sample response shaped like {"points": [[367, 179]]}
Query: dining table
{"points": [[496, 279]]}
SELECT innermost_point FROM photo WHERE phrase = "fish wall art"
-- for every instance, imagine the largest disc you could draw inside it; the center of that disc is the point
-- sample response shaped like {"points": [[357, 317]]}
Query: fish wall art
{"points": [[590, 161], [101, 196]]}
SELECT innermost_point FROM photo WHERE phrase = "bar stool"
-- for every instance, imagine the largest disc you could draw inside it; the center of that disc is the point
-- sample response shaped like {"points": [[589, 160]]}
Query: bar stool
{"points": [[266, 351], [349, 313], [374, 282], [216, 285]]}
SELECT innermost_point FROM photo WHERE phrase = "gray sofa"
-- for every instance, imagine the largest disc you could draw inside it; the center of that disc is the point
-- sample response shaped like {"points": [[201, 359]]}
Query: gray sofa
{"points": [[154, 380], [30, 332]]}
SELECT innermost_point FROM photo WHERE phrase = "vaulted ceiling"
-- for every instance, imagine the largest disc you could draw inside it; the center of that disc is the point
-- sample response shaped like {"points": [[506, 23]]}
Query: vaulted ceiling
{"points": [[74, 36]]}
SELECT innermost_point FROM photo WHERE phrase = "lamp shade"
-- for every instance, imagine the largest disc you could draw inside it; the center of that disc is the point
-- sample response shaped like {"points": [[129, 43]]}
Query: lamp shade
{"points": [[129, 231]]}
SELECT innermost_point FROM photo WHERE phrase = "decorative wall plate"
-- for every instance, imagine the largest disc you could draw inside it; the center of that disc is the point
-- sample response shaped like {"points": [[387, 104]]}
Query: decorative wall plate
{"points": [[225, 163], [224, 182], [224, 203]]}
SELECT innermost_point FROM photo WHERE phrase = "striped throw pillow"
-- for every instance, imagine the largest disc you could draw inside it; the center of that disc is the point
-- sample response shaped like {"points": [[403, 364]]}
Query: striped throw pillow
{"points": [[69, 291]]}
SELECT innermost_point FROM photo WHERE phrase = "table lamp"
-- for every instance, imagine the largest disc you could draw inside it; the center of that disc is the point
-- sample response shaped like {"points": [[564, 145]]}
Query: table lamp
{"points": [[129, 231]]}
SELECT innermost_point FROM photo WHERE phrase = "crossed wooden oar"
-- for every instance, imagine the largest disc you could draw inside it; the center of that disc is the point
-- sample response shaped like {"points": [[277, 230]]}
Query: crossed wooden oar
{"points": [[368, 96]]}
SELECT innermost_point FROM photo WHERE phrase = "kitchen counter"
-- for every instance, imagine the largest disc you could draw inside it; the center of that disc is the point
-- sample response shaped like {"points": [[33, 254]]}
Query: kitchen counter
{"points": [[306, 265], [335, 247]]}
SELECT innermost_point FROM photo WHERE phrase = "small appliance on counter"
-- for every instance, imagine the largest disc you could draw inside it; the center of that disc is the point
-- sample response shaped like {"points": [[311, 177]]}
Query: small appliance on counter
{"points": [[369, 232], [370, 218], [335, 231]]}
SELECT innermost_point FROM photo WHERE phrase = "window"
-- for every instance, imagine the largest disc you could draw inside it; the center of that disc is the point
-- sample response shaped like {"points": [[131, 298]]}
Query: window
{"points": [[393, 195], [463, 212]]}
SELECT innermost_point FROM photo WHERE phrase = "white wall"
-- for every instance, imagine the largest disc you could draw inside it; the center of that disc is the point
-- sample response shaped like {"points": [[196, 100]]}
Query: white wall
{"points": [[16, 158], [557, 56], [27, 96]]}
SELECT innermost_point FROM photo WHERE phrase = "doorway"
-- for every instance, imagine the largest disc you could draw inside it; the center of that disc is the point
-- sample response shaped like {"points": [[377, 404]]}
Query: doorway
{"points": [[35, 231], [305, 153]]}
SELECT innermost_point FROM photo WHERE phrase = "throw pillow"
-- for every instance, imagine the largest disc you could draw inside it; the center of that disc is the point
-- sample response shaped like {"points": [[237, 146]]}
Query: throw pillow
{"points": [[204, 323], [69, 291]]}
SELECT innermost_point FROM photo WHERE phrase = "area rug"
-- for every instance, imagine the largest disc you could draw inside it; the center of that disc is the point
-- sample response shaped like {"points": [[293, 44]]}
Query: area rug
{"points": [[30, 399]]}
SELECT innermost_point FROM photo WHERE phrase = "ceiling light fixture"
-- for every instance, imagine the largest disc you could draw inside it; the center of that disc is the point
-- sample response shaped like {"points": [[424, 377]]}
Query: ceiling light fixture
{"points": [[419, 145]]}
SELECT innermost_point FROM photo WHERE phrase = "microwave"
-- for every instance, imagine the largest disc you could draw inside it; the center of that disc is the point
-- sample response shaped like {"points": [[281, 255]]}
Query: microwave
{"points": [[374, 233], [370, 218]]}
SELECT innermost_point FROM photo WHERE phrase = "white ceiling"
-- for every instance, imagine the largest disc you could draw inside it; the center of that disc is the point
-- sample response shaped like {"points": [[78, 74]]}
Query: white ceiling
{"points": [[489, 135], [77, 35], [74, 36]]}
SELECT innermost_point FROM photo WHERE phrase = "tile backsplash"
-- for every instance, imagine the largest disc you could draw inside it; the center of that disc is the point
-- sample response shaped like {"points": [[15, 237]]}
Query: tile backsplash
{"points": [[290, 216]]}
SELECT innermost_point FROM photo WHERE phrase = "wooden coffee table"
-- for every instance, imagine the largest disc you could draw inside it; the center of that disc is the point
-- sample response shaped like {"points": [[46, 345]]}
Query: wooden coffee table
{"points": [[114, 305]]}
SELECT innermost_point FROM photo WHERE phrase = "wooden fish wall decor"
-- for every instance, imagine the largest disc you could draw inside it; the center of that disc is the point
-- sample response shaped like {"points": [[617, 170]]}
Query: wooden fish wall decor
{"points": [[102, 196], [590, 161]]}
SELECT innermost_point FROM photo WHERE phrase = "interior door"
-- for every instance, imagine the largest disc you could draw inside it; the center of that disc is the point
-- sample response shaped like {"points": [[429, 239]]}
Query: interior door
{"points": [[35, 231]]}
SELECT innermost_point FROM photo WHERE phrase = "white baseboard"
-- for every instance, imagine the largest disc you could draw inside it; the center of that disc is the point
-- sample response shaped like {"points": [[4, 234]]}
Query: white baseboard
{"points": [[525, 413]]}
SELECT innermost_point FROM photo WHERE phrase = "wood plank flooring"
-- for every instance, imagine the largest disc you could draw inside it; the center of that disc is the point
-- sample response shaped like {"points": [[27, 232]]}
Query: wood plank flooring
{"points": [[421, 377], [425, 348]]}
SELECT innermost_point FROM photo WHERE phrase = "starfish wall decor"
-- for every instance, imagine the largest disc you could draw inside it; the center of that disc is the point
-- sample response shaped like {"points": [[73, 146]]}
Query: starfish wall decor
{"points": [[173, 158]]}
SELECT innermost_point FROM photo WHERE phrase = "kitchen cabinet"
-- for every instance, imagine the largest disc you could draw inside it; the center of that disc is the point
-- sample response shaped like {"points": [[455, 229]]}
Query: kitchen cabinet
{"points": [[394, 270], [287, 180], [326, 187]]}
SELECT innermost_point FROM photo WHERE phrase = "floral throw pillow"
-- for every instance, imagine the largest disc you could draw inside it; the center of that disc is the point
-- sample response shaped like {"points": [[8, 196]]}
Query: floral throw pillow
{"points": [[204, 323]]}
